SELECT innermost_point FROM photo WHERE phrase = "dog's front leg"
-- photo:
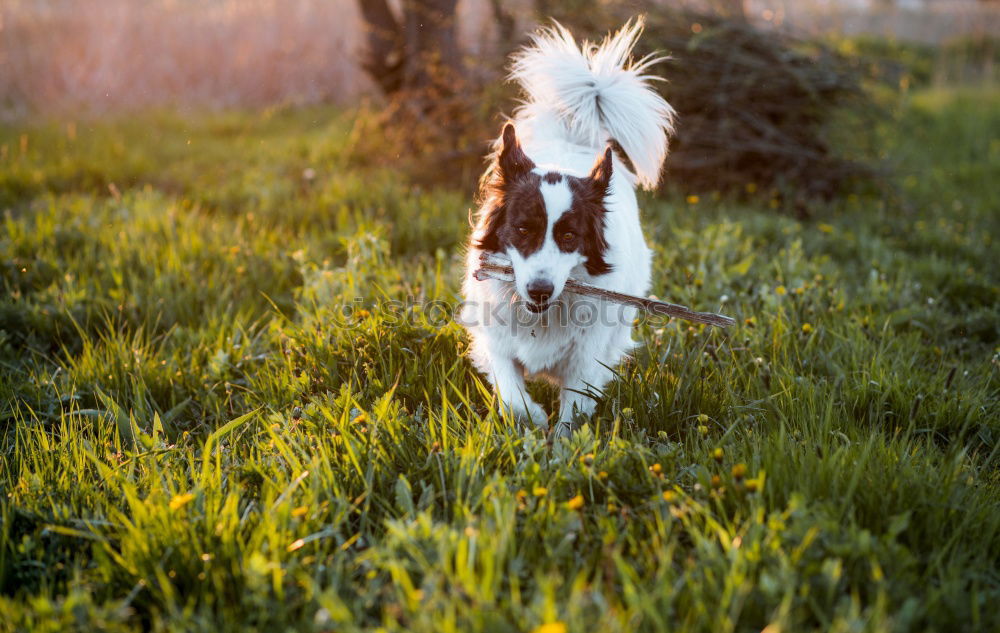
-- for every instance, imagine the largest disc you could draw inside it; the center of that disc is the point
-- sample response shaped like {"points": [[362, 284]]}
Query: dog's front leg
{"points": [[508, 379], [574, 400]]}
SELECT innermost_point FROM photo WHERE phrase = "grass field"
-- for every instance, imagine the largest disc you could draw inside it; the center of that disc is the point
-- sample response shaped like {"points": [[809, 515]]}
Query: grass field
{"points": [[198, 436]]}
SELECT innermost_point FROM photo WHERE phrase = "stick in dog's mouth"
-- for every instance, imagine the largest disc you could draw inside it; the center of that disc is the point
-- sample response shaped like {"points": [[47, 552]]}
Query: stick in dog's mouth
{"points": [[496, 266]]}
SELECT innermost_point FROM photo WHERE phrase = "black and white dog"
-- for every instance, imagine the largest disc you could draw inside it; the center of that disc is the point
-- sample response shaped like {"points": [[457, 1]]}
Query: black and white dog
{"points": [[556, 212]]}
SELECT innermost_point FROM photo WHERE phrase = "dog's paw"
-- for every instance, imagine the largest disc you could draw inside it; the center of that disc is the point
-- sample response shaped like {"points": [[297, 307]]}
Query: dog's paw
{"points": [[563, 429], [535, 414], [527, 412]]}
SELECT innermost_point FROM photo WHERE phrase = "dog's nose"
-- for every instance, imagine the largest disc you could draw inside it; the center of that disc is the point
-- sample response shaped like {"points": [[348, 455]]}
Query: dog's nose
{"points": [[540, 290]]}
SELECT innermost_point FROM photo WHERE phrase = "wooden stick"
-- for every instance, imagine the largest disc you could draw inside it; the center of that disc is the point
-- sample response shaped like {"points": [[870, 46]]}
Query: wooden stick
{"points": [[494, 266]]}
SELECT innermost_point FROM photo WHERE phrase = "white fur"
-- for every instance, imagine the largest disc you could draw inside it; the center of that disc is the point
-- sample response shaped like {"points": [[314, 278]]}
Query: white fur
{"points": [[577, 100], [589, 94]]}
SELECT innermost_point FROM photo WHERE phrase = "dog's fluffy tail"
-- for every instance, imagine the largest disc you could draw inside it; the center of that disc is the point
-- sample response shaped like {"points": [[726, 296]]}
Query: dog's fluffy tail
{"points": [[597, 93]]}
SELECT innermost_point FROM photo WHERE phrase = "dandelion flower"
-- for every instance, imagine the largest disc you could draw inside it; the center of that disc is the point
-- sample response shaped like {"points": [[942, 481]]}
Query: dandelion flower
{"points": [[718, 454], [669, 495], [656, 469], [781, 291], [575, 503], [179, 501], [807, 328], [540, 491], [739, 471]]}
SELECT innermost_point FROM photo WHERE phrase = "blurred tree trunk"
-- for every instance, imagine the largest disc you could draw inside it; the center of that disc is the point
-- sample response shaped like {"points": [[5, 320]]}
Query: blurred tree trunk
{"points": [[413, 51], [505, 21]]}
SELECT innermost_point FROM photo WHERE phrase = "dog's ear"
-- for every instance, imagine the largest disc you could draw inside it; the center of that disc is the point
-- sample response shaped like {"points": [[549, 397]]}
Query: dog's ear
{"points": [[591, 191], [599, 179], [513, 162]]}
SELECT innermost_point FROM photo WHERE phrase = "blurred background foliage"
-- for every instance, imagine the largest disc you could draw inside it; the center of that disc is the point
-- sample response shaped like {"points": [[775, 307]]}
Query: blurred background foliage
{"points": [[765, 89]]}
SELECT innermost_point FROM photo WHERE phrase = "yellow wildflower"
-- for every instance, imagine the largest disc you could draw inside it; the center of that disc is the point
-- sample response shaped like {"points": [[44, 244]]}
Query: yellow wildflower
{"points": [[180, 501], [781, 291], [540, 491], [575, 503]]}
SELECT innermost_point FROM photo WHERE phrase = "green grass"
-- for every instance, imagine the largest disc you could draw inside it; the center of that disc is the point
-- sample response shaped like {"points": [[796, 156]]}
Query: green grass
{"points": [[196, 437]]}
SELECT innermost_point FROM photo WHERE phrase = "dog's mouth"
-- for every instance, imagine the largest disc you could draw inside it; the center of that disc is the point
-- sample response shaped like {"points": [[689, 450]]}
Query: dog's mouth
{"points": [[537, 308]]}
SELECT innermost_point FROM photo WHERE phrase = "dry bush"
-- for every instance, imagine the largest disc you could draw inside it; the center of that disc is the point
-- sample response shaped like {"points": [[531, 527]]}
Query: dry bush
{"points": [[754, 106]]}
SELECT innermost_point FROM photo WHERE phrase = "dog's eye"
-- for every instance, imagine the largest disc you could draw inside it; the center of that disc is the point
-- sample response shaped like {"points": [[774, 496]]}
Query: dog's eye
{"points": [[523, 230], [568, 236]]}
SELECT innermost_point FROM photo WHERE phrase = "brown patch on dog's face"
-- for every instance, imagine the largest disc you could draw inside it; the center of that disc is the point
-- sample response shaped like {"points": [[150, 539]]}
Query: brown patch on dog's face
{"points": [[525, 217], [506, 184], [585, 221]]}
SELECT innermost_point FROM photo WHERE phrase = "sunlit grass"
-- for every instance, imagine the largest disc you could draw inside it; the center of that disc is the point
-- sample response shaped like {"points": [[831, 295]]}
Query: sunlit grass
{"points": [[197, 437]]}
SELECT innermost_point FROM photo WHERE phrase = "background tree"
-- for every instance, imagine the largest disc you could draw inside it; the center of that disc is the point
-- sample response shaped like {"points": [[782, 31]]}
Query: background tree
{"points": [[414, 50]]}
